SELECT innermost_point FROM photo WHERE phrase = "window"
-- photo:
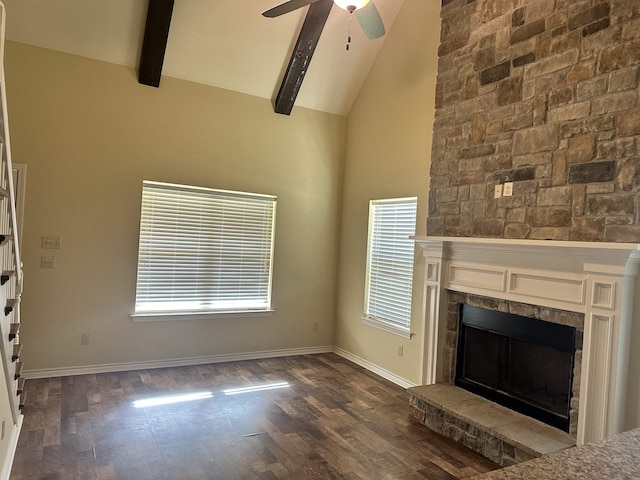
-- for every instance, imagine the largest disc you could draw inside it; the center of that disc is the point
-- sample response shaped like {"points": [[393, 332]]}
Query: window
{"points": [[204, 250], [390, 264]]}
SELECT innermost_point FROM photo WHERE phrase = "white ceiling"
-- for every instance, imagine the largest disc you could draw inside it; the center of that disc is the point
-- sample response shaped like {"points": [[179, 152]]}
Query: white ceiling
{"points": [[224, 43]]}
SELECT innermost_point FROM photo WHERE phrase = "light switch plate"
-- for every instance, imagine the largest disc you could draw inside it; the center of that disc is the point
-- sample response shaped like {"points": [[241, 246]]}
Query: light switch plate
{"points": [[497, 193], [51, 241], [47, 261], [507, 190]]}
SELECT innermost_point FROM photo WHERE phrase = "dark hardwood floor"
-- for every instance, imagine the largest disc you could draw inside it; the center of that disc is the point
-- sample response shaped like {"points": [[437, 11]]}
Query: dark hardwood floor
{"points": [[333, 420]]}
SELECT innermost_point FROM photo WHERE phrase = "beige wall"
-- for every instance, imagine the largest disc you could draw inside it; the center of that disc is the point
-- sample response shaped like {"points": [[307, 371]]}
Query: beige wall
{"points": [[388, 149], [90, 134]]}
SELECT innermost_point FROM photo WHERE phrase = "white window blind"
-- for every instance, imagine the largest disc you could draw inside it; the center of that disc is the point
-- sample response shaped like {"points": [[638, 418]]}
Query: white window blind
{"points": [[204, 250], [390, 261]]}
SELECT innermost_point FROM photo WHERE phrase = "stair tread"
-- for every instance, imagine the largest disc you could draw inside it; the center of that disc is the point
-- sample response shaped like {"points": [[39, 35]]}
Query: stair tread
{"points": [[14, 328], [17, 349]]}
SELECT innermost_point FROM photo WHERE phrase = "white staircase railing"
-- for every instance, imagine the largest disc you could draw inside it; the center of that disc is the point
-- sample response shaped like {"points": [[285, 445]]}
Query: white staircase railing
{"points": [[10, 263]]}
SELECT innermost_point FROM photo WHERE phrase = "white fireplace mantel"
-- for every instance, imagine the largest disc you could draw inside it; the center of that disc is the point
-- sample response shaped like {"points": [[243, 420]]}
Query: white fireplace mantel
{"points": [[594, 278]]}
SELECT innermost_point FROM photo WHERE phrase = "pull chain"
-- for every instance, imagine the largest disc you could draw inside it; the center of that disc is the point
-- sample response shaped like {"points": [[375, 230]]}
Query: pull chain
{"points": [[349, 32]]}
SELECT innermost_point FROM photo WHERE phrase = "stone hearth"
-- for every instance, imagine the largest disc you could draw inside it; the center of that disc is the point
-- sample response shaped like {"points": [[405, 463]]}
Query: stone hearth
{"points": [[502, 435]]}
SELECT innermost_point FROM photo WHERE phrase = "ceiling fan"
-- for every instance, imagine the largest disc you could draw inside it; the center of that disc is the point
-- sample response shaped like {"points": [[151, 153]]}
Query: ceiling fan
{"points": [[159, 19], [365, 10], [367, 15]]}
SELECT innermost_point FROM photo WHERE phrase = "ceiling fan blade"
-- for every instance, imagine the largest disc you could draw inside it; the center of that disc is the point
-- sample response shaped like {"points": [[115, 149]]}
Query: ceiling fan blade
{"points": [[287, 7], [370, 21]]}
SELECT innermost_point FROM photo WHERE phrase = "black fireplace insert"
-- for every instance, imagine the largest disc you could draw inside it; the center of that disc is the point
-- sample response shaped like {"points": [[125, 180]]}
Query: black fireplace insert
{"points": [[522, 363]]}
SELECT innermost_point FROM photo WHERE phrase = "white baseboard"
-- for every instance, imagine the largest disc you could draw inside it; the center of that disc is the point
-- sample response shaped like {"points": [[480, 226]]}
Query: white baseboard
{"points": [[177, 362], [11, 452], [392, 377], [183, 362]]}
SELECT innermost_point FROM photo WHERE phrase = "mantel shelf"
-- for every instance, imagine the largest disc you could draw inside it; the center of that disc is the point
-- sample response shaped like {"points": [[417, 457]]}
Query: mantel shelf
{"points": [[511, 242]]}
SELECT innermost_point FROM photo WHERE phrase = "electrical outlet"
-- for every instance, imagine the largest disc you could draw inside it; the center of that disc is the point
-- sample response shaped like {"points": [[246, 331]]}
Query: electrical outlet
{"points": [[508, 189], [47, 261], [400, 351], [85, 339], [51, 242], [497, 192]]}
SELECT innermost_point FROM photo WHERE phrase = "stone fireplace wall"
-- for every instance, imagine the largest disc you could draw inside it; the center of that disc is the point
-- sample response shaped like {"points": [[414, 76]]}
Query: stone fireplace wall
{"points": [[543, 93], [562, 317]]}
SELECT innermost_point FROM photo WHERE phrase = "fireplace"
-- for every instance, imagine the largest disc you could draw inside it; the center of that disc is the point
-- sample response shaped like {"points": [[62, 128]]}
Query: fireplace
{"points": [[523, 363], [594, 281]]}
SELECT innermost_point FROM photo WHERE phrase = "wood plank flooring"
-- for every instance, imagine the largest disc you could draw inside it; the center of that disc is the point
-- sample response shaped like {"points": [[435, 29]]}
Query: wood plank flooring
{"points": [[334, 420]]}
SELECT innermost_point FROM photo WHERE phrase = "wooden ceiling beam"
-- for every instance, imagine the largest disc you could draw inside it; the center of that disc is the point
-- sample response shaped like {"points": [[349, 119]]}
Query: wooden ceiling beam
{"points": [[156, 33], [301, 57]]}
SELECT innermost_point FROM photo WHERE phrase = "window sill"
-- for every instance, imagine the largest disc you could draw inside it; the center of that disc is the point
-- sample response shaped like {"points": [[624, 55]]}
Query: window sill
{"points": [[374, 322], [167, 317]]}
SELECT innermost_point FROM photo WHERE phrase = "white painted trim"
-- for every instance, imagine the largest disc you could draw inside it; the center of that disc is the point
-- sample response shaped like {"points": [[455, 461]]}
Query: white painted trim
{"points": [[432, 339], [473, 275], [19, 172], [181, 316], [386, 326], [585, 277], [182, 362], [548, 287], [502, 243], [563, 290], [177, 362], [11, 451], [392, 377], [594, 414]]}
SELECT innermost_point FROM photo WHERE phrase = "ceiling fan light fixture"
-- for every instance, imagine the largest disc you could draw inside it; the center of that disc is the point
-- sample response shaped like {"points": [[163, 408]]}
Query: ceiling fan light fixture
{"points": [[351, 5]]}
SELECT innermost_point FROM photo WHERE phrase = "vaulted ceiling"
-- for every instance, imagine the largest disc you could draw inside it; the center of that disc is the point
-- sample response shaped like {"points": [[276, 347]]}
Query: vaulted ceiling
{"points": [[223, 43]]}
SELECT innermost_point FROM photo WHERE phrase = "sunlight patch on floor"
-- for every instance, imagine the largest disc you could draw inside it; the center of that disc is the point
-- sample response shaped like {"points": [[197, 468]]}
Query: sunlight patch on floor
{"points": [[169, 399], [255, 388]]}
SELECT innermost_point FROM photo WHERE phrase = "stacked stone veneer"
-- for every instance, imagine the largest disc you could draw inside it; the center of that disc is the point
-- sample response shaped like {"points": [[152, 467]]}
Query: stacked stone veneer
{"points": [[507, 437], [486, 441], [543, 93], [572, 319]]}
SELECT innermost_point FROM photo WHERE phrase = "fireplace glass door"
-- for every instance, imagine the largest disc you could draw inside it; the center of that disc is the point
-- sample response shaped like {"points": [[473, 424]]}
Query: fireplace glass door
{"points": [[523, 363]]}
